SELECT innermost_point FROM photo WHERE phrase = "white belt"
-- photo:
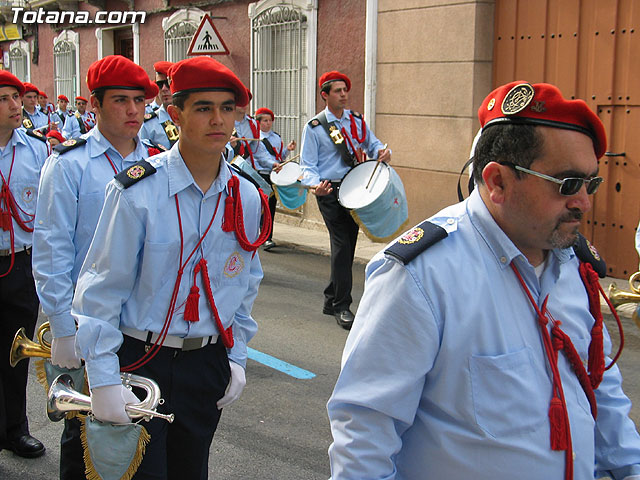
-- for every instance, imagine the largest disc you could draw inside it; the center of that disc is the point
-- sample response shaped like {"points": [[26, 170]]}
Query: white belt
{"points": [[170, 341], [7, 251]]}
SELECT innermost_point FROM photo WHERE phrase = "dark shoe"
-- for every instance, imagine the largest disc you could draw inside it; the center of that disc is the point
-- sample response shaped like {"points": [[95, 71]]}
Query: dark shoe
{"points": [[344, 319], [269, 244], [328, 311], [26, 446]]}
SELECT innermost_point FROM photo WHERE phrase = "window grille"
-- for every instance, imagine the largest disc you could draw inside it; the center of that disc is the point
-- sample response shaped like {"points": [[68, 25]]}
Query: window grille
{"points": [[18, 63], [64, 69], [279, 69], [177, 39]]}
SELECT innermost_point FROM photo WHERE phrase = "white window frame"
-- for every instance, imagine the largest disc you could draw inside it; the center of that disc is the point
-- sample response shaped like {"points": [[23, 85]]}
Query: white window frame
{"points": [[186, 15], [26, 49], [74, 38], [105, 41]]}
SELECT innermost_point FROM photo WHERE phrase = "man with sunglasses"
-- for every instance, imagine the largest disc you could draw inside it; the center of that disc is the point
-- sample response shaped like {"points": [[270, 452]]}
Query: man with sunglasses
{"points": [[158, 127], [478, 349]]}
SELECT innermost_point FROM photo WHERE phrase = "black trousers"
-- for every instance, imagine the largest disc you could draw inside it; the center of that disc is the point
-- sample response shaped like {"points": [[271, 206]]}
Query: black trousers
{"points": [[343, 234], [272, 202], [191, 383], [18, 308], [71, 453]]}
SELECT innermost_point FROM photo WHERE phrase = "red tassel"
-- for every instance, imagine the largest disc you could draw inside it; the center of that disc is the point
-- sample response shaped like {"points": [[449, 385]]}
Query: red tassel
{"points": [[228, 222], [191, 313], [596, 356], [557, 422]]}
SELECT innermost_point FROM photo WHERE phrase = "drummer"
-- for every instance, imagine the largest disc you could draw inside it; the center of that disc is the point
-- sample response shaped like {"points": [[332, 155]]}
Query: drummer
{"points": [[332, 142], [277, 154]]}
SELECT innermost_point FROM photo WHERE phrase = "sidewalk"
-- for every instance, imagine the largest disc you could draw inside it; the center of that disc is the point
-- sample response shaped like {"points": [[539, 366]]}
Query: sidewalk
{"points": [[317, 241]]}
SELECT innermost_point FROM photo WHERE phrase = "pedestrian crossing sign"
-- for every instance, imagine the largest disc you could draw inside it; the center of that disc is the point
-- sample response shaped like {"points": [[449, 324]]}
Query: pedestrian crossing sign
{"points": [[207, 40]]}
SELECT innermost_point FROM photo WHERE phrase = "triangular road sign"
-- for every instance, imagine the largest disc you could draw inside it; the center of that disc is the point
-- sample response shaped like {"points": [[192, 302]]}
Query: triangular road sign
{"points": [[207, 40]]}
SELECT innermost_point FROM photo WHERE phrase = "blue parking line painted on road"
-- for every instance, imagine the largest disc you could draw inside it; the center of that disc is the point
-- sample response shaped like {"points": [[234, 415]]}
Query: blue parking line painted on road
{"points": [[280, 365]]}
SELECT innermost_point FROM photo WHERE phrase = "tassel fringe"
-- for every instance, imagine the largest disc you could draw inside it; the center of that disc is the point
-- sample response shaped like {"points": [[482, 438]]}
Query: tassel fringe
{"points": [[557, 423]]}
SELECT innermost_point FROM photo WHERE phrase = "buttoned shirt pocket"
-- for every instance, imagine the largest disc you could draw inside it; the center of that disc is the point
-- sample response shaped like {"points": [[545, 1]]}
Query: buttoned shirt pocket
{"points": [[159, 263], [506, 393]]}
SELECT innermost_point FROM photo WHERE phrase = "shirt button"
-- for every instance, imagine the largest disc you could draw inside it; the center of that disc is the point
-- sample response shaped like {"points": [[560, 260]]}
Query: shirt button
{"points": [[503, 259], [450, 221], [40, 222], [93, 265], [573, 454]]}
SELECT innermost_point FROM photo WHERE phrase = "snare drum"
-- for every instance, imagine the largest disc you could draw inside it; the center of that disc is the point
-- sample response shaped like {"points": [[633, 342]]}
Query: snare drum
{"points": [[290, 192], [379, 208], [245, 169]]}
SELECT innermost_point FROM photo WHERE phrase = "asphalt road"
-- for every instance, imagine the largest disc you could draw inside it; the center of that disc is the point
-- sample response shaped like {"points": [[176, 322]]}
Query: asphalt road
{"points": [[279, 428]]}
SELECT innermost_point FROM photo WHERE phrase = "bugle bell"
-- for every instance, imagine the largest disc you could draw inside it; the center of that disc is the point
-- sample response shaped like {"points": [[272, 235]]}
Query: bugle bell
{"points": [[620, 297], [64, 398], [22, 347]]}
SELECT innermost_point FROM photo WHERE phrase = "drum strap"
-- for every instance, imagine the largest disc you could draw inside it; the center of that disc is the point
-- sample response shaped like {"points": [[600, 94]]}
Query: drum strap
{"points": [[272, 151], [346, 155]]}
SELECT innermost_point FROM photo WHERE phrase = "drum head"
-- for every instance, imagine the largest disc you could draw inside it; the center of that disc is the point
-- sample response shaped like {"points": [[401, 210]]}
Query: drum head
{"points": [[353, 192], [288, 175]]}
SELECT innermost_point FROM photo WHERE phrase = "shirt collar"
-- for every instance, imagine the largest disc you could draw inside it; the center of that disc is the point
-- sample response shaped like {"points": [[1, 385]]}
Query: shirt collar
{"points": [[15, 139], [98, 145], [180, 177], [503, 249], [332, 118]]}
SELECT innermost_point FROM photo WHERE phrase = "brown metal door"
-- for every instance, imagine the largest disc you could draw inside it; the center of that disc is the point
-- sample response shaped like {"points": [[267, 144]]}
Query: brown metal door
{"points": [[590, 49]]}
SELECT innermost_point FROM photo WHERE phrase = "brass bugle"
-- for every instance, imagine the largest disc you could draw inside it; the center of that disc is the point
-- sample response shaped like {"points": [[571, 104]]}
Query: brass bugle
{"points": [[620, 297], [22, 347], [64, 398]]}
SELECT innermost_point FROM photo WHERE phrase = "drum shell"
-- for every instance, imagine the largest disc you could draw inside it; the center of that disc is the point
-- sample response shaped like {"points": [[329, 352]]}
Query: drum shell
{"points": [[241, 166]]}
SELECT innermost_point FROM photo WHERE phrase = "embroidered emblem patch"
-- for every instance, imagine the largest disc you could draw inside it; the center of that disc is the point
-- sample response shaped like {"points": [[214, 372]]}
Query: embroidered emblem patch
{"points": [[492, 103], [147, 116], [315, 122], [517, 99], [593, 250], [38, 133], [234, 265], [69, 143], [412, 236], [28, 194], [135, 172]]}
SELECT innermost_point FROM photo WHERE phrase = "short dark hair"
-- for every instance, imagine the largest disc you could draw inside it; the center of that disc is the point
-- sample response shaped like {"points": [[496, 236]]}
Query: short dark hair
{"points": [[180, 100], [513, 143], [99, 94]]}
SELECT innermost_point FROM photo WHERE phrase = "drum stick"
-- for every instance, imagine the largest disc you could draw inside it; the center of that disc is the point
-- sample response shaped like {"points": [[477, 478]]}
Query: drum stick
{"points": [[242, 139], [290, 159], [45, 126], [374, 170]]}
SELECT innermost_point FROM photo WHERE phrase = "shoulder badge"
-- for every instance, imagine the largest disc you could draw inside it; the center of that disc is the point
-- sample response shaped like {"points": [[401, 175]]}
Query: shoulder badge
{"points": [[415, 241], [37, 134], [357, 115], [135, 173], [149, 116], [69, 145], [314, 122], [587, 253]]}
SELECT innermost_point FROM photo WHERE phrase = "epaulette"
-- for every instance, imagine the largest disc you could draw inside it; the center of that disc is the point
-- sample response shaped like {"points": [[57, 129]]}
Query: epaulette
{"points": [[135, 173], [149, 116], [358, 115], [69, 145], [415, 241], [152, 147], [37, 134], [314, 122], [587, 253]]}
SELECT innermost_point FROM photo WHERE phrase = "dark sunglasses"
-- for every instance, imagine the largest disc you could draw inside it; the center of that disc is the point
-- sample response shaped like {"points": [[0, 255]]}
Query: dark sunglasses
{"points": [[162, 83], [568, 186]]}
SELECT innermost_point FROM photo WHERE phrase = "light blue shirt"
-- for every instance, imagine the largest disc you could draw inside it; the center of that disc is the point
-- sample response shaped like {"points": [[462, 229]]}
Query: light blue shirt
{"points": [[260, 154], [152, 107], [278, 145], [153, 129], [72, 189], [71, 127], [320, 159], [130, 271], [38, 119], [64, 116], [30, 154], [444, 374]]}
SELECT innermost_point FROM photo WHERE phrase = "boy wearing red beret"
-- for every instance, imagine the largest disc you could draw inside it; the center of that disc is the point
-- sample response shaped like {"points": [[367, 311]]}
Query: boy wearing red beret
{"points": [[84, 120], [158, 127], [72, 193], [187, 230], [32, 117], [22, 155]]}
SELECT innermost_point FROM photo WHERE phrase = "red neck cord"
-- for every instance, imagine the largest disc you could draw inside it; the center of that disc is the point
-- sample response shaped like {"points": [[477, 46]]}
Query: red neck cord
{"points": [[354, 130], [112, 165]]}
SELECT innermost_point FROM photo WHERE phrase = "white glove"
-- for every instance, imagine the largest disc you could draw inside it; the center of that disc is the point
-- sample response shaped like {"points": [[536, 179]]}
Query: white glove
{"points": [[235, 387], [63, 352], [107, 403]]}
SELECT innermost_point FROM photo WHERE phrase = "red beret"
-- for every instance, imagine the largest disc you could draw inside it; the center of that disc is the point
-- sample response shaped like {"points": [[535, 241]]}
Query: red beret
{"points": [[202, 74], [162, 67], [265, 111], [63, 97], [334, 76], [8, 79], [56, 134], [83, 99], [250, 95], [43, 94], [541, 104], [116, 71], [30, 87]]}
